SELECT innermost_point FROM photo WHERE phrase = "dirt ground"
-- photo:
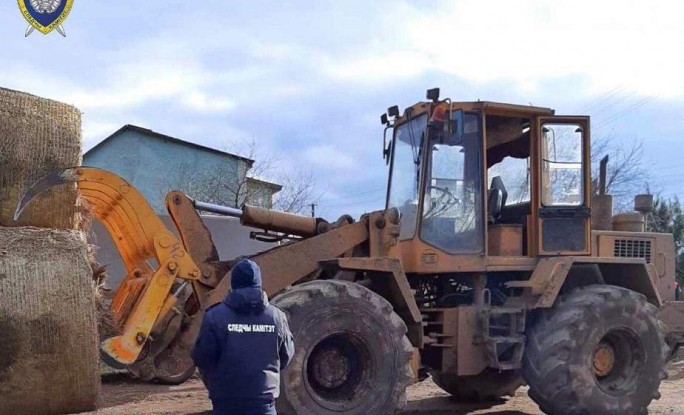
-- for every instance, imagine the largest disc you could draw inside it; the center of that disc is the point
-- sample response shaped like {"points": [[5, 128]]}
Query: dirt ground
{"points": [[123, 396]]}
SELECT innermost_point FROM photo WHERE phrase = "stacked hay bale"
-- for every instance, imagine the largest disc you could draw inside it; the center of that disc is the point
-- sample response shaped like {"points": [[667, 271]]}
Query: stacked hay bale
{"points": [[48, 328], [36, 136]]}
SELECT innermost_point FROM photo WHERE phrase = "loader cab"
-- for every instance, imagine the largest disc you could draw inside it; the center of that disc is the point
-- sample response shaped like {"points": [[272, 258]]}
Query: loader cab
{"points": [[480, 184]]}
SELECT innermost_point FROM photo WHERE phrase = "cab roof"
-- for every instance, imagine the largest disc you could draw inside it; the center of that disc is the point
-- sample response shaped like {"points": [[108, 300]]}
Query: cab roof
{"points": [[491, 107]]}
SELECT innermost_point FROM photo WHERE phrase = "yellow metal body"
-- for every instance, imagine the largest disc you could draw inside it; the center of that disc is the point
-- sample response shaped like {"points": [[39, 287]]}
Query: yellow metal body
{"points": [[140, 236]]}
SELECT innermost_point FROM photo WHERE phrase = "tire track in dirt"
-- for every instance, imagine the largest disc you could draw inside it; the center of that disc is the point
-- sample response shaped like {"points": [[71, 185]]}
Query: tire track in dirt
{"points": [[123, 396]]}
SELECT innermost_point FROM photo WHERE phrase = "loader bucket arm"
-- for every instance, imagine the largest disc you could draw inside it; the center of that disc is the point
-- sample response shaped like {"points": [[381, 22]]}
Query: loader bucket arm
{"points": [[125, 213], [139, 236]]}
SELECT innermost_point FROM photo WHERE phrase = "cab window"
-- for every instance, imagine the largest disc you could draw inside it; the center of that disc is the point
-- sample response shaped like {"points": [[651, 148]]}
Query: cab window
{"points": [[562, 166], [452, 206]]}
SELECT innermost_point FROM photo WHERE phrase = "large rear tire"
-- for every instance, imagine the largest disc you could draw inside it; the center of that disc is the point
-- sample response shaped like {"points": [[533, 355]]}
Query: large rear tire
{"points": [[488, 386], [352, 354], [599, 350]]}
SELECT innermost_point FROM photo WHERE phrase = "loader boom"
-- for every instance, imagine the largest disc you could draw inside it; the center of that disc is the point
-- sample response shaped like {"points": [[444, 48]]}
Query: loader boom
{"points": [[152, 307]]}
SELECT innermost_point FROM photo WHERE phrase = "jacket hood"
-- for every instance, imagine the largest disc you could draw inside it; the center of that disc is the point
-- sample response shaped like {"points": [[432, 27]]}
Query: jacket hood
{"points": [[250, 300], [245, 273]]}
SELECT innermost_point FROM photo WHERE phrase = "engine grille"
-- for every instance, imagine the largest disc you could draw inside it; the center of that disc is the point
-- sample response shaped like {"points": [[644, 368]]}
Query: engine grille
{"points": [[633, 248]]}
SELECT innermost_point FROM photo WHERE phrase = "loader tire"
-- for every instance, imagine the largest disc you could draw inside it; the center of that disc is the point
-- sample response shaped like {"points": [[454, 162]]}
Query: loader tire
{"points": [[600, 350], [174, 375], [488, 386], [352, 354]]}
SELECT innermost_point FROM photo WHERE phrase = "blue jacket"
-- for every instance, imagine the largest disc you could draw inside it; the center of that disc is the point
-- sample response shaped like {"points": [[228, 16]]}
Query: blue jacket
{"points": [[242, 346]]}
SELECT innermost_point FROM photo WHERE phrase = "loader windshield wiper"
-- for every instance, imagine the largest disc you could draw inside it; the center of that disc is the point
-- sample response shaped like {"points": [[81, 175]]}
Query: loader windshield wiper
{"points": [[416, 150]]}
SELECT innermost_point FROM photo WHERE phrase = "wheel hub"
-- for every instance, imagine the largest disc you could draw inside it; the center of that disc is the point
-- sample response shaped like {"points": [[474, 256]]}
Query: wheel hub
{"points": [[338, 371], [617, 361], [604, 359], [331, 368]]}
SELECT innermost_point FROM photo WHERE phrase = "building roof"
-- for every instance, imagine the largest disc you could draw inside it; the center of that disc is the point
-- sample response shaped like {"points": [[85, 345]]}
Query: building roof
{"points": [[273, 186], [150, 133]]}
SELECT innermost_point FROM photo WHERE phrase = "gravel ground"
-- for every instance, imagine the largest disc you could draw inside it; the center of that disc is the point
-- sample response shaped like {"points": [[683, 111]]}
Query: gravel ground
{"points": [[122, 396]]}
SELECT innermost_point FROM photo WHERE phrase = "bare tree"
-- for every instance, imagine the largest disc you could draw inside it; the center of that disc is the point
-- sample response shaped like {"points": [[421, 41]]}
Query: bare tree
{"points": [[626, 173], [298, 193], [255, 182], [214, 184]]}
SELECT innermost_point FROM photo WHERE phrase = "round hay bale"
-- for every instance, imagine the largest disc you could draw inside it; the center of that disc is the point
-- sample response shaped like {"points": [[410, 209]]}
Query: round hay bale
{"points": [[49, 362], [37, 135]]}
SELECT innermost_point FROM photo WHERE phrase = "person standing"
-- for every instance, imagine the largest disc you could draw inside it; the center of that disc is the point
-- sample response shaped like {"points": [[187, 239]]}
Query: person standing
{"points": [[243, 346]]}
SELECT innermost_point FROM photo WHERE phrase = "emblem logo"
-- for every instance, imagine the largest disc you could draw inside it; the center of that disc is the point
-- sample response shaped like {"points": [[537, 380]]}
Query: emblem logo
{"points": [[45, 15]]}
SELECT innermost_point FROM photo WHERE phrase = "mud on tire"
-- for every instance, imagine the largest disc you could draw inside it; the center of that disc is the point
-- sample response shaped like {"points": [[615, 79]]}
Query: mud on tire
{"points": [[490, 385], [352, 354], [599, 350]]}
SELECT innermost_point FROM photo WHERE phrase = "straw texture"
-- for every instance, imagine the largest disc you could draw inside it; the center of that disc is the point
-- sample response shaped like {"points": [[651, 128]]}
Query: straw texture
{"points": [[36, 136], [49, 362]]}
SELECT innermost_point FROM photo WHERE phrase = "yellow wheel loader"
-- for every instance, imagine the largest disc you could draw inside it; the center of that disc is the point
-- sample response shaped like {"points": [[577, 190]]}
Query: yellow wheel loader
{"points": [[490, 265]]}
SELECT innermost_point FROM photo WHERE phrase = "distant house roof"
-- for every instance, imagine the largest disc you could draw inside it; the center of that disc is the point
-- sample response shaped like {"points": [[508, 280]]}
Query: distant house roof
{"points": [[273, 186], [150, 133]]}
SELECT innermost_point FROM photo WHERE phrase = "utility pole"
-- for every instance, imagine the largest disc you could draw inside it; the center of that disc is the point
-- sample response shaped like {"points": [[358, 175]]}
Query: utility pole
{"points": [[313, 210]]}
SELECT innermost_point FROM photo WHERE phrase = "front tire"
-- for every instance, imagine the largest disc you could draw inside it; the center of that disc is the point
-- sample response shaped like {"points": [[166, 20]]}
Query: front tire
{"points": [[352, 354], [599, 350]]}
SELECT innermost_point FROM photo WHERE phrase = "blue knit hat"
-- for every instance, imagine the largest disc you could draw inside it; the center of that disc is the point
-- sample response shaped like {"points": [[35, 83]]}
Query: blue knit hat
{"points": [[245, 274]]}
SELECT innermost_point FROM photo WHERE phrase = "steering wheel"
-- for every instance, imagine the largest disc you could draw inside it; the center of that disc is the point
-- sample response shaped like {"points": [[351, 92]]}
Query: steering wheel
{"points": [[446, 199]]}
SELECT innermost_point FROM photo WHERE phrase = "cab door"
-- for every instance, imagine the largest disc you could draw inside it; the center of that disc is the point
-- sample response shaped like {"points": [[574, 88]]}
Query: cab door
{"points": [[563, 212]]}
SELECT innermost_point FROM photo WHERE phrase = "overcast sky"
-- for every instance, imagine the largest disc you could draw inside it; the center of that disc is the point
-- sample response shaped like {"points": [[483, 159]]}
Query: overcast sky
{"points": [[309, 79]]}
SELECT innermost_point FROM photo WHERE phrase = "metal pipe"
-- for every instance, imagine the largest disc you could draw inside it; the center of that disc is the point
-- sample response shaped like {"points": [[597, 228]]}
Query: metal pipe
{"points": [[279, 221], [603, 175], [218, 209], [265, 218]]}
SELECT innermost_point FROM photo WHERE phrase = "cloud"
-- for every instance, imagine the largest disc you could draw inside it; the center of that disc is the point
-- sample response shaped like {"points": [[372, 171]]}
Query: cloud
{"points": [[309, 81], [201, 102], [383, 68], [330, 157], [608, 43], [94, 131]]}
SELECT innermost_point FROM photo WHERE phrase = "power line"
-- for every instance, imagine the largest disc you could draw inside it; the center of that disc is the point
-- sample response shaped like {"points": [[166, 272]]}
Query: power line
{"points": [[603, 98], [624, 112]]}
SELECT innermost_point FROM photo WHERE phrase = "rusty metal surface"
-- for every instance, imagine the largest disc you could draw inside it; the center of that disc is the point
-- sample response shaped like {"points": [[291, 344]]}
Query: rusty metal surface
{"points": [[550, 274], [383, 232], [546, 281], [421, 258], [505, 240], [504, 264], [390, 281], [672, 314], [454, 333], [278, 221], [285, 265], [657, 248], [196, 238], [490, 107], [632, 273], [602, 212]]}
